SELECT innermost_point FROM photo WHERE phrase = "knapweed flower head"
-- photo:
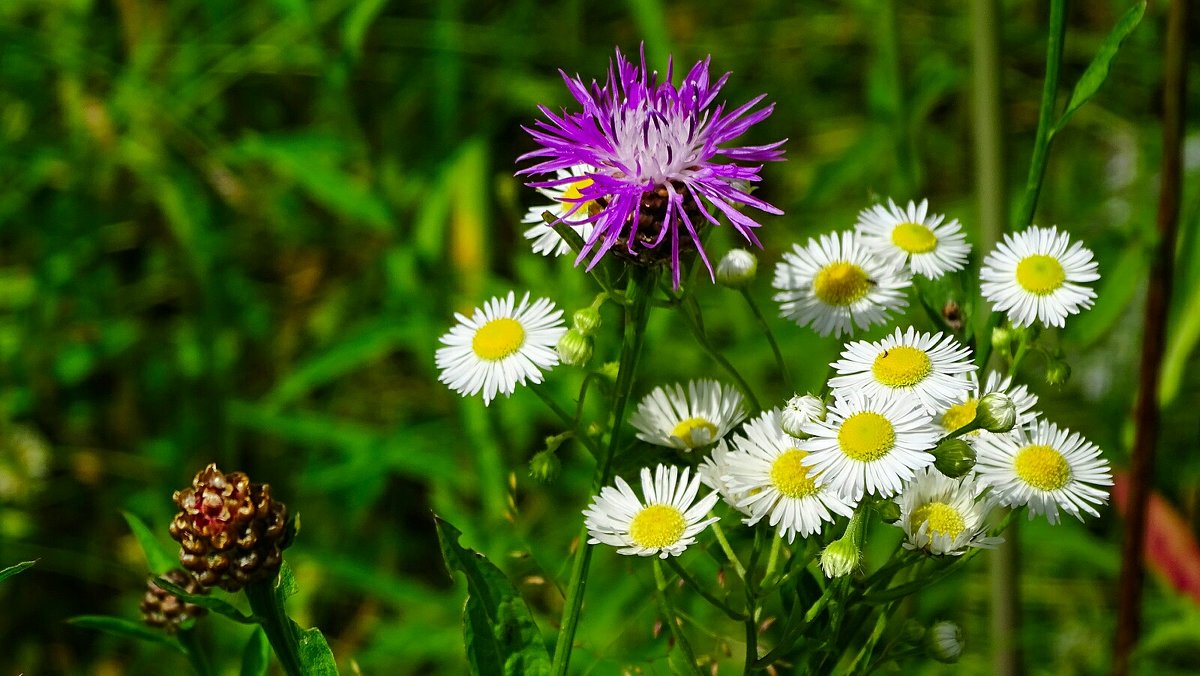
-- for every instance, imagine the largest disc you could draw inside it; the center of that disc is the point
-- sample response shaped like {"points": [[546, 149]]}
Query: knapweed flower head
{"points": [[160, 608], [659, 159], [664, 524]]}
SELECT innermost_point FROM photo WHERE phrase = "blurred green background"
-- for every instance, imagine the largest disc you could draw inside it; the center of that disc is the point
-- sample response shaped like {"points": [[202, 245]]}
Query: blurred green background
{"points": [[233, 231]]}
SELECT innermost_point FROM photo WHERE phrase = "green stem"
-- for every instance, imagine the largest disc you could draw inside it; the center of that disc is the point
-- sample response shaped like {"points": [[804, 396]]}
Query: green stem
{"points": [[772, 558], [690, 310], [639, 292], [567, 420], [766, 331], [704, 593], [729, 553], [752, 606], [281, 634], [668, 611], [195, 654]]}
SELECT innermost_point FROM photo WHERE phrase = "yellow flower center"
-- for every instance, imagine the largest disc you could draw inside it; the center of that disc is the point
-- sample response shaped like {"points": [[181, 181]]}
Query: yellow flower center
{"points": [[959, 415], [695, 432], [943, 519], [574, 192], [901, 366], [866, 436], [841, 284], [791, 477], [498, 338], [657, 526], [1040, 274], [1042, 467], [914, 238]]}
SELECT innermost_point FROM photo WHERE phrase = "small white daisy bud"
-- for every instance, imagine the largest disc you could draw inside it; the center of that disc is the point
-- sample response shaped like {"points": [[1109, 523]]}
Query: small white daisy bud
{"points": [[545, 466], [954, 458], [737, 268], [586, 321], [840, 558], [574, 348], [996, 413], [944, 642], [1058, 373], [801, 410]]}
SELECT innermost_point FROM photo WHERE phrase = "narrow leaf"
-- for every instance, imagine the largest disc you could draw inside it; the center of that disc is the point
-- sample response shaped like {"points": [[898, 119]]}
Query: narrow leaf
{"points": [[315, 655], [214, 604], [498, 628], [157, 558], [1097, 71], [255, 656], [14, 569], [119, 626], [285, 584]]}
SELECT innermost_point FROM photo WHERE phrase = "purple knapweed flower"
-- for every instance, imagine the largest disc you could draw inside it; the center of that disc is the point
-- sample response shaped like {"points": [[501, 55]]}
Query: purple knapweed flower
{"points": [[651, 150]]}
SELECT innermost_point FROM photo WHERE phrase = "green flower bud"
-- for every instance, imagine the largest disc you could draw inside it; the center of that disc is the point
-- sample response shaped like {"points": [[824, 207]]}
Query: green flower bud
{"points": [[609, 370], [574, 348], [1058, 373], [996, 412], [954, 458], [1001, 337], [799, 411], [944, 642], [545, 466], [586, 321], [737, 269], [840, 558]]}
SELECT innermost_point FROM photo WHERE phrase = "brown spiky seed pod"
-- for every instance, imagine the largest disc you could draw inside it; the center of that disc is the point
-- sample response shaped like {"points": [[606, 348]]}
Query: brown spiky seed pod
{"points": [[162, 609], [230, 531]]}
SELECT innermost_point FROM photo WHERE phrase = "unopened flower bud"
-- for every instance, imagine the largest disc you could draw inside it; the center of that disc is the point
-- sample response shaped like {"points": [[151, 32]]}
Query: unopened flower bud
{"points": [[944, 642], [954, 458], [160, 608], [545, 466], [737, 268], [1058, 373], [574, 348], [1001, 337], [840, 558], [996, 412], [586, 321], [799, 411]]}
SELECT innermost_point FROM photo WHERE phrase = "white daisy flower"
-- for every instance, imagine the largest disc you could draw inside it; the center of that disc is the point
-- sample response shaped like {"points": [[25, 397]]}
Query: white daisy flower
{"points": [[1045, 468], [912, 235], [799, 410], [910, 364], [767, 476], [567, 205], [834, 284], [670, 417], [664, 525], [962, 411], [1036, 275], [502, 344], [944, 516], [868, 445], [712, 471]]}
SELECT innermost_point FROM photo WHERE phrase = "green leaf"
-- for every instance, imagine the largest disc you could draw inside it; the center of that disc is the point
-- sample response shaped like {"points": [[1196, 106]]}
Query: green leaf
{"points": [[315, 655], [157, 558], [498, 628], [255, 656], [214, 604], [285, 584], [1097, 71], [358, 19], [119, 626], [14, 569]]}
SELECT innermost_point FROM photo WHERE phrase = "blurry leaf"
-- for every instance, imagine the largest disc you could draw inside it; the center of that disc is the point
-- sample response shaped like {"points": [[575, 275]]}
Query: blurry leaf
{"points": [[158, 561], [851, 170], [315, 655], [285, 584], [499, 631], [358, 20], [119, 626], [214, 604], [1118, 288], [650, 17], [469, 223], [255, 656], [1181, 342], [1097, 71], [14, 569], [361, 347]]}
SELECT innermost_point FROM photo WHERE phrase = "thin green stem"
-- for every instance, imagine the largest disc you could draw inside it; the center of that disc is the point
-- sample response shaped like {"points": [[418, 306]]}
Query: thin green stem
{"points": [[669, 616], [267, 605], [567, 420], [639, 292], [704, 593], [766, 331], [195, 653], [752, 605], [690, 310], [729, 553], [772, 558]]}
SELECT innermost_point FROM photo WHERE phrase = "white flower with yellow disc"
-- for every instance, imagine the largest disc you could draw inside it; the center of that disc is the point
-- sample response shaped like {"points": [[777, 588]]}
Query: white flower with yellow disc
{"points": [[909, 364], [705, 412], [766, 477], [1037, 275], [870, 445], [944, 516], [962, 412], [930, 245], [663, 524], [568, 205], [501, 344], [1045, 468], [834, 284]]}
